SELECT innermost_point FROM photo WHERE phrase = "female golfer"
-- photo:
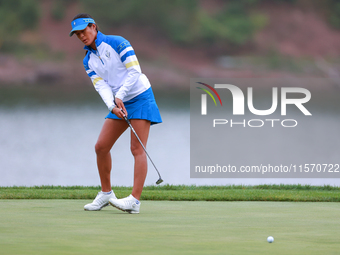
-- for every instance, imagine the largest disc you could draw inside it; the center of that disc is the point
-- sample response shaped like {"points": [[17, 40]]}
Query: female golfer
{"points": [[112, 65]]}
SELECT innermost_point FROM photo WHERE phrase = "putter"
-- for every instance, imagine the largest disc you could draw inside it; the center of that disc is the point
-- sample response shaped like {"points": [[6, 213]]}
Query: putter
{"points": [[159, 181]]}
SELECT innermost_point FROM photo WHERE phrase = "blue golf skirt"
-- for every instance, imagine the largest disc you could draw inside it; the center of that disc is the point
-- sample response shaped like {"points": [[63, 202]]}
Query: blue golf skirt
{"points": [[141, 107]]}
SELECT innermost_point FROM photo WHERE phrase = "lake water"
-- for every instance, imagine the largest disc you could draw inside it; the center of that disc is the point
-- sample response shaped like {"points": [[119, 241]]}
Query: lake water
{"points": [[54, 145]]}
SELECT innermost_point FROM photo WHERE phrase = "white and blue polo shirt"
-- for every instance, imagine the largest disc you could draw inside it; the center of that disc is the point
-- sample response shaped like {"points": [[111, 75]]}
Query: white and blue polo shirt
{"points": [[114, 69]]}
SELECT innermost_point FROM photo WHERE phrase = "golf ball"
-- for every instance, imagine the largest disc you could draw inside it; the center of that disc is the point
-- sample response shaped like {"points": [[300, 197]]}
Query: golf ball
{"points": [[270, 239]]}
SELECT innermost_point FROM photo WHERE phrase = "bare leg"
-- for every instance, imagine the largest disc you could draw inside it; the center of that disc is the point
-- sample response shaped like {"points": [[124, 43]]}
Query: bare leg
{"points": [[142, 128], [111, 131]]}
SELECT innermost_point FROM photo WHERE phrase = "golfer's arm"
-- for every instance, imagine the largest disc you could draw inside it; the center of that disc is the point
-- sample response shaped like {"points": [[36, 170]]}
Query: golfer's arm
{"points": [[106, 94], [130, 61], [103, 89], [133, 76]]}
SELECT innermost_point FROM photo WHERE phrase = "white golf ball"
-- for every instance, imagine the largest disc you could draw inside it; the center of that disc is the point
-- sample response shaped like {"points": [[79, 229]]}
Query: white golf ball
{"points": [[270, 239]]}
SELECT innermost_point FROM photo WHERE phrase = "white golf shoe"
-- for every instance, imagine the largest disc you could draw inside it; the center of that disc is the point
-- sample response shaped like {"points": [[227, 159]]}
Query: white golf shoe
{"points": [[128, 204], [100, 201]]}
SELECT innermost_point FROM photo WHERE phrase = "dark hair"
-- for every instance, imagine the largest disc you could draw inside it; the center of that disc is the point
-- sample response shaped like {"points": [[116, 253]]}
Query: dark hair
{"points": [[85, 15]]}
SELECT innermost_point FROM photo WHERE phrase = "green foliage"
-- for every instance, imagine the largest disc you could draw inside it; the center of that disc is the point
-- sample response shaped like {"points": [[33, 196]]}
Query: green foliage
{"points": [[301, 193], [58, 9], [282, 1], [17, 16], [334, 13], [232, 24], [183, 21]]}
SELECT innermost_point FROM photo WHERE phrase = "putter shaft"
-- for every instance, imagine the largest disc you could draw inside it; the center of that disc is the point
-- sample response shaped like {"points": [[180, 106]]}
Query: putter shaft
{"points": [[160, 180], [133, 130]]}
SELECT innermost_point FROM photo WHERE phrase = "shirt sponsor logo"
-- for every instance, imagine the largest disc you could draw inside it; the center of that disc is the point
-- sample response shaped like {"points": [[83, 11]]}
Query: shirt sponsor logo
{"points": [[107, 54]]}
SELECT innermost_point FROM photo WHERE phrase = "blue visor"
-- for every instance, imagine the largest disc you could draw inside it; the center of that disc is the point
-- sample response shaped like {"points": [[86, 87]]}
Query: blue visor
{"points": [[80, 24]]}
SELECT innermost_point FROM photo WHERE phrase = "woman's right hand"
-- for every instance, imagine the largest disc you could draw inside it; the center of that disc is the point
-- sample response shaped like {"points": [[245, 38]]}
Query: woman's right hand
{"points": [[119, 110]]}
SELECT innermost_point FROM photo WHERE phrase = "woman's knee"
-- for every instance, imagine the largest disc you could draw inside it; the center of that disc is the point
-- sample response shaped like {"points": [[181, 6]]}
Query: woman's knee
{"points": [[101, 148], [137, 149]]}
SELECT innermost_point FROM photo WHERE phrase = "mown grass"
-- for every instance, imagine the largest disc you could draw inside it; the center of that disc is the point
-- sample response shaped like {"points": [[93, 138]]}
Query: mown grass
{"points": [[297, 193], [53, 227]]}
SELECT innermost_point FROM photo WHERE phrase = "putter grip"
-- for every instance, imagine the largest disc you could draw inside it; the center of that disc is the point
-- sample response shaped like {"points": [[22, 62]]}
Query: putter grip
{"points": [[126, 119]]}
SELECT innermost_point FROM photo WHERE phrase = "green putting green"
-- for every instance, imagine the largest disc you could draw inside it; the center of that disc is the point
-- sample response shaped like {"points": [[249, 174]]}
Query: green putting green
{"points": [[169, 227]]}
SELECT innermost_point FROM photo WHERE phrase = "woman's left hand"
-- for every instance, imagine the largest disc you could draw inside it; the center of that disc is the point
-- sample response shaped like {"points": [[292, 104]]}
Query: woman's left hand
{"points": [[119, 110]]}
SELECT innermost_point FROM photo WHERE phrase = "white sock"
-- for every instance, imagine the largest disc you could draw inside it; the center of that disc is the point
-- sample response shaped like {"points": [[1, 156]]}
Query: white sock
{"points": [[135, 198], [107, 193]]}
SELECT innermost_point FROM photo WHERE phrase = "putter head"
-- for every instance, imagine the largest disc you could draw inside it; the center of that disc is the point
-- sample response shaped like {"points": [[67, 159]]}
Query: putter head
{"points": [[159, 181]]}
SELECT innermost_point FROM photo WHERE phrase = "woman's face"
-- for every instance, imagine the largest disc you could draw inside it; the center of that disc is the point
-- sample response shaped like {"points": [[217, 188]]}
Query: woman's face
{"points": [[88, 35]]}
